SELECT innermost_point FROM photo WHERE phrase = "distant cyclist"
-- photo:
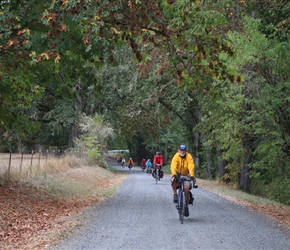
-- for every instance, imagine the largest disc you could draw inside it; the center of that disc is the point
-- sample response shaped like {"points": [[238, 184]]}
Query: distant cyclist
{"points": [[182, 165], [148, 166], [130, 163], [143, 164], [123, 162], [157, 162]]}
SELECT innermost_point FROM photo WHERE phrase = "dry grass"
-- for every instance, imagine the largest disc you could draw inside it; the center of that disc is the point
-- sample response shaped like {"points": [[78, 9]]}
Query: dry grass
{"points": [[66, 177], [41, 205], [27, 166], [19, 161], [78, 183], [50, 166]]}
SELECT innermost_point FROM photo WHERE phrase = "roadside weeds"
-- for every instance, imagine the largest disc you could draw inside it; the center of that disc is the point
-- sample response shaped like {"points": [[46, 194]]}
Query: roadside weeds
{"points": [[276, 211]]}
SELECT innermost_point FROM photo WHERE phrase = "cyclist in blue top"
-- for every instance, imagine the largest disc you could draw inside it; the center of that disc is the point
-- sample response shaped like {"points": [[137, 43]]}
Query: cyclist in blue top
{"points": [[148, 166]]}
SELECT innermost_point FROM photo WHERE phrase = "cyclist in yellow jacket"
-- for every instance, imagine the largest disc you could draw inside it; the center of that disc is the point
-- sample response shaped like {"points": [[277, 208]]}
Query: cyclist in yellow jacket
{"points": [[182, 164]]}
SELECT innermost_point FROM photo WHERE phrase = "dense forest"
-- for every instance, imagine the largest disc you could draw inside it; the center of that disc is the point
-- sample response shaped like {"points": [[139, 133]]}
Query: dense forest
{"points": [[148, 75]]}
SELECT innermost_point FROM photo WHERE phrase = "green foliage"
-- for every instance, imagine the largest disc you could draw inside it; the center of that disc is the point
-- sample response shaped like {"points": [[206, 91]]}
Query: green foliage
{"points": [[232, 175], [61, 116], [274, 17], [267, 93], [95, 134], [94, 155], [277, 189], [166, 169]]}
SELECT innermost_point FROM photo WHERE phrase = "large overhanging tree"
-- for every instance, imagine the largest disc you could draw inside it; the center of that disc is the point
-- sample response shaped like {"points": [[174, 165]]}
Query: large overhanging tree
{"points": [[183, 48], [189, 33], [87, 32]]}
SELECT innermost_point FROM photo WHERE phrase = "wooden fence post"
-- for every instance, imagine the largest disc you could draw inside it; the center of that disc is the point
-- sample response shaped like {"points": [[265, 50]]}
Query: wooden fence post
{"points": [[21, 161], [31, 161], [31, 158], [9, 165], [39, 152]]}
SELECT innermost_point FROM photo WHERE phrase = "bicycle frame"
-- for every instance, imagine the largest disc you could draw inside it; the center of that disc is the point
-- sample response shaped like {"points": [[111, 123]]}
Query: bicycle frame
{"points": [[182, 198]]}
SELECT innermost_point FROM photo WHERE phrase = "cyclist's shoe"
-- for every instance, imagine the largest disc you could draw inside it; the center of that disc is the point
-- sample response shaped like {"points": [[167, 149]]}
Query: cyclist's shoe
{"points": [[191, 201], [186, 212], [175, 198], [191, 198]]}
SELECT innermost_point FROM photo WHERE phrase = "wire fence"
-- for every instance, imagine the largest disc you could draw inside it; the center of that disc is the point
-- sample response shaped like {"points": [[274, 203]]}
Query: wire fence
{"points": [[28, 159]]}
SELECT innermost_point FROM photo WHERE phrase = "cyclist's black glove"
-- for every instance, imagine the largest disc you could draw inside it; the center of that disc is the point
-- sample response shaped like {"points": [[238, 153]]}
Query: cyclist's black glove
{"points": [[193, 179]]}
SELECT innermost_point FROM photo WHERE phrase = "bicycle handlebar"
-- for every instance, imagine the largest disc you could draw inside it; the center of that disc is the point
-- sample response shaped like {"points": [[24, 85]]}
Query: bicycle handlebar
{"points": [[183, 179], [158, 165]]}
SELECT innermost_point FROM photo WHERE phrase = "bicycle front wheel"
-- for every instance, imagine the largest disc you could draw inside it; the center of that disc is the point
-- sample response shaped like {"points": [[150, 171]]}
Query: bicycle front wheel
{"points": [[157, 175], [180, 206], [183, 205]]}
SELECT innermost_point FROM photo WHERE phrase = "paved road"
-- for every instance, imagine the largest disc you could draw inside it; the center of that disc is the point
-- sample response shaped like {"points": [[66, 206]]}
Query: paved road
{"points": [[142, 216]]}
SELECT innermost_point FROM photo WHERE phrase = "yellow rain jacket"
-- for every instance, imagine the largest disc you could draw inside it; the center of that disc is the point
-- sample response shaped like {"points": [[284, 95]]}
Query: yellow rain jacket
{"points": [[182, 165]]}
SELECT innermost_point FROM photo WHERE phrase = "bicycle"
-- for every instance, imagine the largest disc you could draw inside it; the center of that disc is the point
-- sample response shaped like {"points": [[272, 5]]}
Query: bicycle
{"points": [[157, 172], [143, 167], [181, 205], [130, 166], [148, 170]]}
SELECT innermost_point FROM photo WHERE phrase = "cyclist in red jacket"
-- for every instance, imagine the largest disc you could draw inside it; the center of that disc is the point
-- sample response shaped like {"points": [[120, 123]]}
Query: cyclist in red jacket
{"points": [[157, 162], [143, 164]]}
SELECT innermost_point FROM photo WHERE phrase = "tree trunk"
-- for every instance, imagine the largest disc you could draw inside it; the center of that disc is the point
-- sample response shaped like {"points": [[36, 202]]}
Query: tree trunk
{"points": [[222, 164], [196, 152], [209, 162], [245, 180], [74, 133], [165, 156]]}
